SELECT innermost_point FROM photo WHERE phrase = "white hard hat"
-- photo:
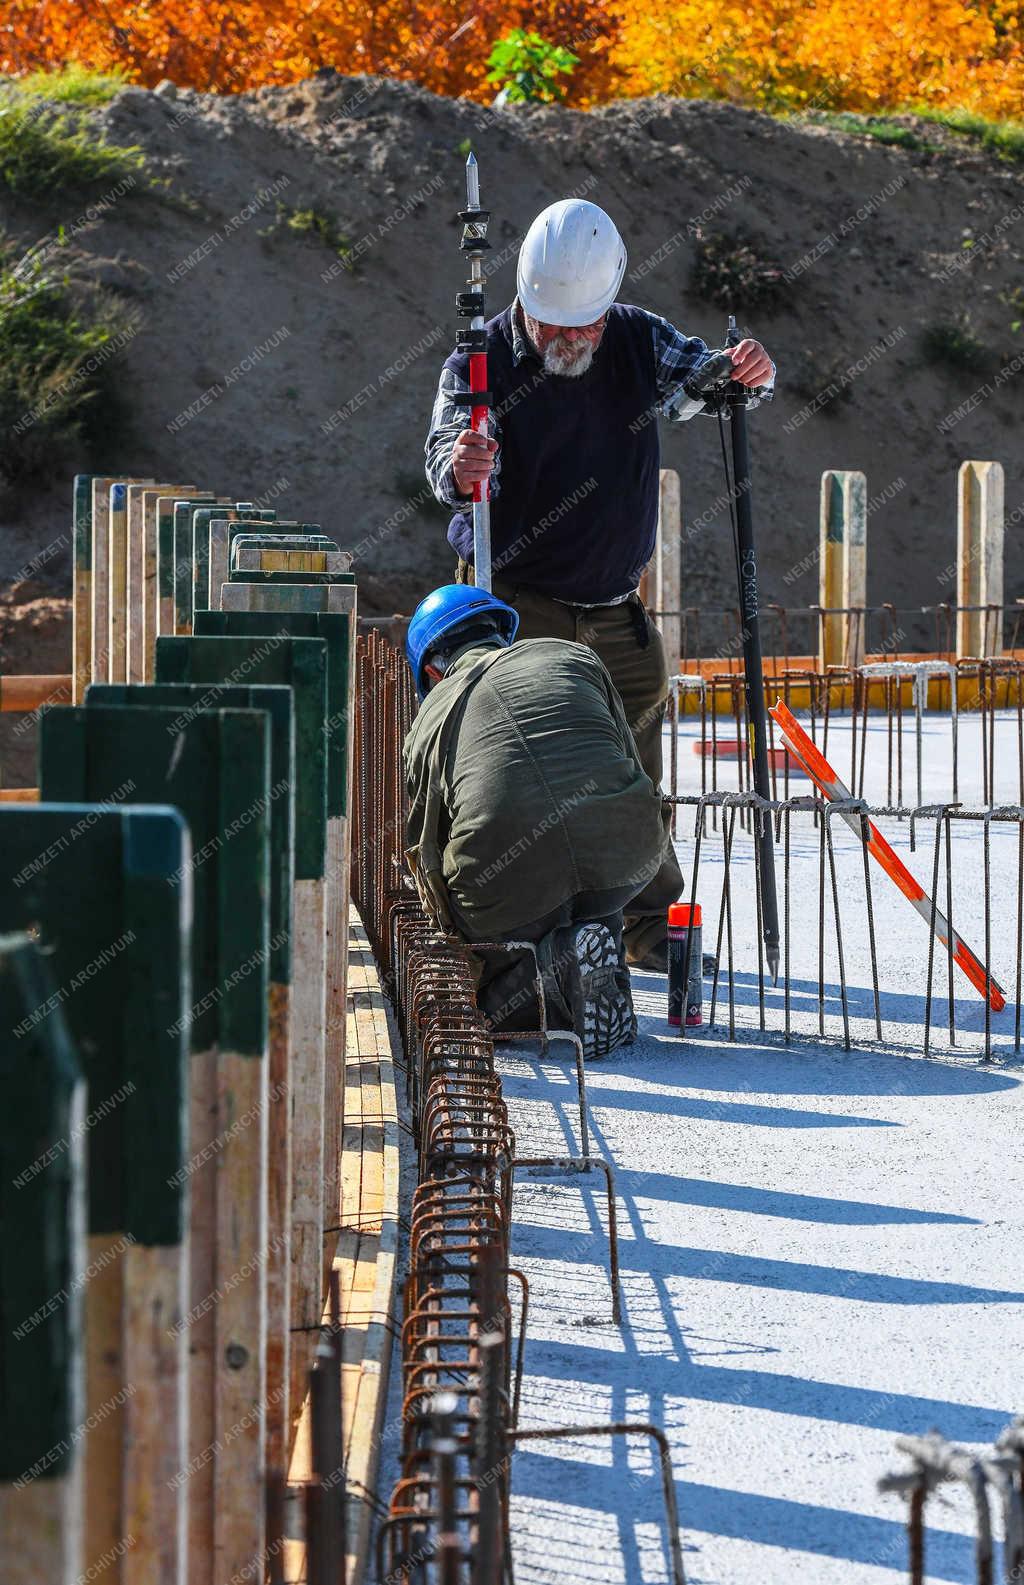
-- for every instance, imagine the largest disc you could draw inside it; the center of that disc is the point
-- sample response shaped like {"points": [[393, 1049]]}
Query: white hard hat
{"points": [[571, 264]]}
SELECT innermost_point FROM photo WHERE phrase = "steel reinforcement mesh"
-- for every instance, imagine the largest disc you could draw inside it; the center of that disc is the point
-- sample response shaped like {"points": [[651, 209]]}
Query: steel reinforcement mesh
{"points": [[448, 1516]]}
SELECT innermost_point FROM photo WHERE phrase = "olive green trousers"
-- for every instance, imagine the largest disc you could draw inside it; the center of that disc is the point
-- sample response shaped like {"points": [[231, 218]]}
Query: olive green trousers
{"points": [[631, 648]]}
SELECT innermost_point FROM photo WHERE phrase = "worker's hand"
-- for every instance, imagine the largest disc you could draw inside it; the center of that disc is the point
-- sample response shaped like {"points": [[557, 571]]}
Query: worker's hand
{"points": [[472, 459], [751, 365]]}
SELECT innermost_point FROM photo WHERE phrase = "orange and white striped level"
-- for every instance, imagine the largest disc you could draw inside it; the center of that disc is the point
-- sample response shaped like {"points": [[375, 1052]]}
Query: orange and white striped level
{"points": [[825, 778]]}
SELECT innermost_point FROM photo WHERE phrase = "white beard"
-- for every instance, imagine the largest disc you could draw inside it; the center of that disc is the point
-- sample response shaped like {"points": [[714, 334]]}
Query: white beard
{"points": [[568, 360]]}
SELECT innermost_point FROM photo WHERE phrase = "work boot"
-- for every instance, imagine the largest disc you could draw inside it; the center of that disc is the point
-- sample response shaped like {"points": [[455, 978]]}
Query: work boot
{"points": [[595, 983]]}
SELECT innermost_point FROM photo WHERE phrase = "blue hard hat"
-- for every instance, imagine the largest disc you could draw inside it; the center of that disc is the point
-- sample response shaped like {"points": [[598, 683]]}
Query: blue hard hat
{"points": [[452, 606]]}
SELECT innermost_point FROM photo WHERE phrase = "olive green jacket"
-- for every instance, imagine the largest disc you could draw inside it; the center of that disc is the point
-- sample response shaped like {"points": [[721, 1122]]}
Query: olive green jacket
{"points": [[525, 788]]}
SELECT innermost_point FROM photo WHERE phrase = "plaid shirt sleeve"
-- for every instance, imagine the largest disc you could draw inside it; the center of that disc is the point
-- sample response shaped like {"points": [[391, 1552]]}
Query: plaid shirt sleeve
{"points": [[675, 357], [447, 421]]}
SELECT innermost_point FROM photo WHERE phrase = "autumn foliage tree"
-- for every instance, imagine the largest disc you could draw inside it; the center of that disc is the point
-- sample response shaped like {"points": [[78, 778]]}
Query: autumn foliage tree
{"points": [[790, 54], [210, 45], [775, 54]]}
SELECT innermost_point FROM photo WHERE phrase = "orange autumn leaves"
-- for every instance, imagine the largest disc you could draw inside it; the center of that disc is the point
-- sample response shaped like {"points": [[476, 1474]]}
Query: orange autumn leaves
{"points": [[208, 44], [787, 54], [775, 54]]}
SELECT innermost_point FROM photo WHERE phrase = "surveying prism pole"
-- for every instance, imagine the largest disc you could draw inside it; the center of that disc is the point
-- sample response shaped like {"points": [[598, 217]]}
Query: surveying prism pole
{"points": [[753, 664], [470, 305]]}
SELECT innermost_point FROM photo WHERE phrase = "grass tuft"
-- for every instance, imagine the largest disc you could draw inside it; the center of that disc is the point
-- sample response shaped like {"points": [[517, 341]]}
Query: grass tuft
{"points": [[42, 153], [1003, 138], [73, 85], [881, 128], [58, 337], [728, 270], [313, 222], [1013, 298], [952, 342]]}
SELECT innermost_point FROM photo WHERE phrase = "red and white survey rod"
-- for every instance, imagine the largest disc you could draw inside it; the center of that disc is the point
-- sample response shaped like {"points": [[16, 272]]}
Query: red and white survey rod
{"points": [[821, 773], [470, 305]]}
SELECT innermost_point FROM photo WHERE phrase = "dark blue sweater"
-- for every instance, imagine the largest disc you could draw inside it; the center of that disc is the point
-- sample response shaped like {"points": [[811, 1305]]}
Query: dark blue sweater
{"points": [[577, 511]]}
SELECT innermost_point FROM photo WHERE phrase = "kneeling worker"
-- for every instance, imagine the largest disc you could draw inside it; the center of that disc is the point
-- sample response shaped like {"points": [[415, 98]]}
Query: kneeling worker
{"points": [[531, 816]]}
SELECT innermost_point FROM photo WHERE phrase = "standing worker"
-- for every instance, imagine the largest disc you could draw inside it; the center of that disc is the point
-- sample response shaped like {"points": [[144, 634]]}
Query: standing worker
{"points": [[531, 818], [572, 460]]}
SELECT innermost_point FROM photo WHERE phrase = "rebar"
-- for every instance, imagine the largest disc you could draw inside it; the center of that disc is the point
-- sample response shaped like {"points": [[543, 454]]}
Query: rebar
{"points": [[858, 815], [936, 1462], [628, 1428], [456, 1289]]}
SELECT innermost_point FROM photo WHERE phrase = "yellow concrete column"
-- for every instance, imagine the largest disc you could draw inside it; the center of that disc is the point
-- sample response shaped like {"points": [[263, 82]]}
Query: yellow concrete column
{"points": [[979, 556], [842, 570]]}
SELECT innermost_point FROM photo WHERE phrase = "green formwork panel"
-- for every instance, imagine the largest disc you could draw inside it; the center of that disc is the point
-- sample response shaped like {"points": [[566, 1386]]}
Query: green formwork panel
{"points": [[298, 663], [42, 1246], [210, 570], [81, 642], [214, 768], [82, 498], [336, 630], [181, 573], [279, 703], [184, 545], [101, 886], [201, 521], [165, 551]]}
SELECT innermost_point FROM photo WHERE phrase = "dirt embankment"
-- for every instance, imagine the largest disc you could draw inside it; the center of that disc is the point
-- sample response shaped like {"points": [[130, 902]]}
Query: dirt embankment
{"points": [[267, 364]]}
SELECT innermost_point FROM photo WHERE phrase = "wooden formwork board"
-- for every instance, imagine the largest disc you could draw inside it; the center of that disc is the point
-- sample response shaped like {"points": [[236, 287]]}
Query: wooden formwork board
{"points": [[185, 700], [253, 558], [225, 528], [215, 768], [117, 583], [183, 556], [326, 592], [302, 664], [364, 1260], [135, 577], [308, 1132], [202, 537], [81, 605], [151, 500], [167, 572], [107, 880], [99, 587], [335, 1011], [42, 1255], [338, 631]]}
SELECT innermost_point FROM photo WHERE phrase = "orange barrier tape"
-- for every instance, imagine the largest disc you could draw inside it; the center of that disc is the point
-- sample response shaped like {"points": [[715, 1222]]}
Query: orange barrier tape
{"points": [[829, 784]]}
